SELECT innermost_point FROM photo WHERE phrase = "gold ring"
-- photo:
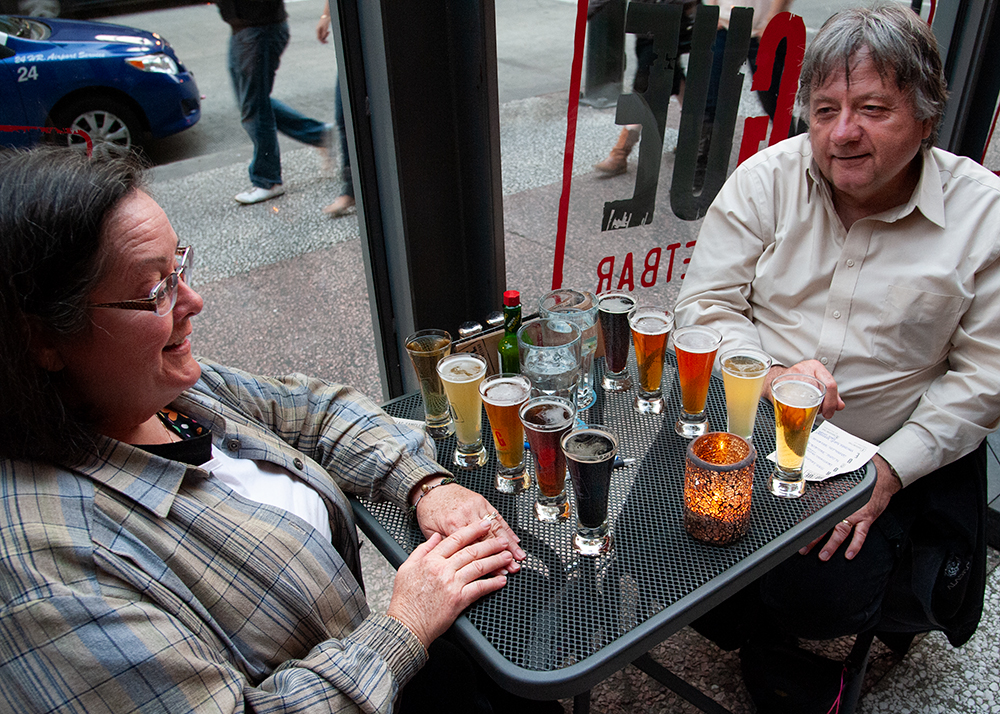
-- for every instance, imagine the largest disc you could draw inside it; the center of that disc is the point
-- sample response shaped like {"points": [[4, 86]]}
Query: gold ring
{"points": [[847, 523]]}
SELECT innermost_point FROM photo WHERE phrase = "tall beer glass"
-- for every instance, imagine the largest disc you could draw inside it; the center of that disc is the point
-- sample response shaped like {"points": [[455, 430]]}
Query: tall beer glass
{"points": [[503, 395], [590, 456], [650, 327], [613, 309], [743, 372], [550, 352], [580, 308], [545, 420], [461, 374], [426, 348], [797, 398], [695, 346]]}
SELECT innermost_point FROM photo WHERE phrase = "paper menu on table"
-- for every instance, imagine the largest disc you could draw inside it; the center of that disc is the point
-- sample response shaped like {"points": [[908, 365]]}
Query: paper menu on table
{"points": [[832, 451]]}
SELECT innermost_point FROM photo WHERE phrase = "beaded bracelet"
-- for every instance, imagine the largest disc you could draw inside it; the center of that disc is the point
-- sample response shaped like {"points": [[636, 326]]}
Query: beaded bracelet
{"points": [[425, 489]]}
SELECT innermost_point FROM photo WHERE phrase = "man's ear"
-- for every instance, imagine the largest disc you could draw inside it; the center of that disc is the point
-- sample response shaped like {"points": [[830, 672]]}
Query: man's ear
{"points": [[43, 348]]}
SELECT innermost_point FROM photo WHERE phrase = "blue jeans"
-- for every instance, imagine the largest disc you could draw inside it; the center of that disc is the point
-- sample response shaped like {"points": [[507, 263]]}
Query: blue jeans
{"points": [[346, 180], [254, 56]]}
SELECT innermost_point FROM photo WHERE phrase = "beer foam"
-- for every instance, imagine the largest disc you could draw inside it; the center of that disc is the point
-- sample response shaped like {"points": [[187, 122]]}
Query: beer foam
{"points": [[506, 392], [651, 325], [461, 369], [589, 446], [793, 393], [744, 366], [616, 304], [696, 341]]}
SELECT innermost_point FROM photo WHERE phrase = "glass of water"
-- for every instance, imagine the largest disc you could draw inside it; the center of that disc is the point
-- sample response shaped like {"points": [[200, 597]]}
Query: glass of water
{"points": [[550, 353]]}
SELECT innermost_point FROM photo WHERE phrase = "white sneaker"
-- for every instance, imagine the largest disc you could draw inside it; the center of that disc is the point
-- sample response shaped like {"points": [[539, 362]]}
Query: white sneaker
{"points": [[258, 194]]}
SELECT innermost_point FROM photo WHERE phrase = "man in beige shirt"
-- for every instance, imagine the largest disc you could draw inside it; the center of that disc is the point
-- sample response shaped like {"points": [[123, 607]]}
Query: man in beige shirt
{"points": [[867, 258]]}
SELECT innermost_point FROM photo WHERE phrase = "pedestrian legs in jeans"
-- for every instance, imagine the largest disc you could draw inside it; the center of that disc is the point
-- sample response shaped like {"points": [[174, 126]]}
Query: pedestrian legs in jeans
{"points": [[254, 56]]}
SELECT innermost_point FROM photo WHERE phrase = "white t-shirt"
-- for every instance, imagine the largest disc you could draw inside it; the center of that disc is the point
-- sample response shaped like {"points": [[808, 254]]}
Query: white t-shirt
{"points": [[264, 482]]}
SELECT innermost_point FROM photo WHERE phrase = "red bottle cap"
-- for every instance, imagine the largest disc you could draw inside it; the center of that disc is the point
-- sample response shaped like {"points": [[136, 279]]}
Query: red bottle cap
{"points": [[512, 298]]}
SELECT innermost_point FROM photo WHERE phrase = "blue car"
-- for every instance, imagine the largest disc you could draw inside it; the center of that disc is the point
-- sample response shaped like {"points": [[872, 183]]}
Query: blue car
{"points": [[60, 79]]}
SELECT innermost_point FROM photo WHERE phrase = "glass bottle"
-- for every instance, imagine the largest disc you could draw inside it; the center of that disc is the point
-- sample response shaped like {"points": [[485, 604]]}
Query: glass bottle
{"points": [[507, 347]]}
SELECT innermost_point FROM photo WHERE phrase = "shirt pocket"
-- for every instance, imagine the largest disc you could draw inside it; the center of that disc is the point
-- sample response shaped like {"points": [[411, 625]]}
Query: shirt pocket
{"points": [[915, 327]]}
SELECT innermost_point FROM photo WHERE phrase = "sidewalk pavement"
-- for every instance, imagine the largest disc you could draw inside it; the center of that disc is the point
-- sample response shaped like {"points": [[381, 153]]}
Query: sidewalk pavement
{"points": [[284, 291]]}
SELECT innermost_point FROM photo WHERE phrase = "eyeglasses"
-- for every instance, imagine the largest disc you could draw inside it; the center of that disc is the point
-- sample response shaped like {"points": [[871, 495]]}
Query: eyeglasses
{"points": [[163, 297]]}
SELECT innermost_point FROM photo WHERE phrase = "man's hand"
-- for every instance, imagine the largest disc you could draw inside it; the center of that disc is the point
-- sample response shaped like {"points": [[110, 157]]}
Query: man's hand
{"points": [[832, 403], [886, 484], [447, 509], [443, 576]]}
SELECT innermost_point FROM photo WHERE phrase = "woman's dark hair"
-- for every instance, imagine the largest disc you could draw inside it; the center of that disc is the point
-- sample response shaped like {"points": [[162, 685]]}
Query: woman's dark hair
{"points": [[53, 204]]}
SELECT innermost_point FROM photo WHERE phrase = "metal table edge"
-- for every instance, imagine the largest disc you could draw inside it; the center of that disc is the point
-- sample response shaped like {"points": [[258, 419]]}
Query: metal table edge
{"points": [[581, 676]]}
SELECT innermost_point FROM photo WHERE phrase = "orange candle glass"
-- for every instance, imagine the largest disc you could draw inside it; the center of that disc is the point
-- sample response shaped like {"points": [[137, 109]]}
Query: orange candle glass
{"points": [[718, 484]]}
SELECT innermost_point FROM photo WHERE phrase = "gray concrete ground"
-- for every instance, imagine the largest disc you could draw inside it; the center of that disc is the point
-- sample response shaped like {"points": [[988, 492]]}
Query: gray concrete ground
{"points": [[284, 289]]}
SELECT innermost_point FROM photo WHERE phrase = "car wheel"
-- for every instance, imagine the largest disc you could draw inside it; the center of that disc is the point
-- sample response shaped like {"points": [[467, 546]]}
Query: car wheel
{"points": [[39, 8], [113, 127]]}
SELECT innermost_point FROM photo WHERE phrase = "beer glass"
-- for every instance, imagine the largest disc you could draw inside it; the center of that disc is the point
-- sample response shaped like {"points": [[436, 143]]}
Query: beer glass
{"points": [[503, 395], [545, 420], [797, 398], [580, 308], [695, 346], [613, 309], [461, 374], [426, 348], [650, 327], [743, 372], [590, 456], [550, 353]]}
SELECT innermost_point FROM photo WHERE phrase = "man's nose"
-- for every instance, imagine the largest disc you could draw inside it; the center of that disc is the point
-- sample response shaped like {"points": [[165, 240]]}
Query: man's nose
{"points": [[847, 128]]}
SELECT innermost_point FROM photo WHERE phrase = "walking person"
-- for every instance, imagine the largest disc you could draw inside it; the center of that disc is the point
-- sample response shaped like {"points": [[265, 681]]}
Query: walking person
{"points": [[260, 35], [344, 201]]}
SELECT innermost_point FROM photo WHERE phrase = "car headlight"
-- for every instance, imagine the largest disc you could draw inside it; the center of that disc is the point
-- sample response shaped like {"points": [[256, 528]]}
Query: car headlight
{"points": [[154, 63]]}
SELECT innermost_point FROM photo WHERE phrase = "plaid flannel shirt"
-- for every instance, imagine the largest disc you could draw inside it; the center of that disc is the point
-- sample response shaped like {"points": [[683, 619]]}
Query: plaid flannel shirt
{"points": [[140, 583]]}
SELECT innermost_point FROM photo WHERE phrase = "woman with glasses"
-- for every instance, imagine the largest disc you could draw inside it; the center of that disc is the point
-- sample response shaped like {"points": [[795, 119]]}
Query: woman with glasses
{"points": [[174, 534]]}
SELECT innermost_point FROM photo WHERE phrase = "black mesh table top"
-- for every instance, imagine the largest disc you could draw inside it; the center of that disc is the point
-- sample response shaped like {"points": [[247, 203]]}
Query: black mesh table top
{"points": [[565, 622]]}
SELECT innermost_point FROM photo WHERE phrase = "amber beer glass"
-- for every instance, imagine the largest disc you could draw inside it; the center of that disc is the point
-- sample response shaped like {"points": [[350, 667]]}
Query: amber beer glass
{"points": [[503, 395], [545, 420], [797, 398], [650, 328], [695, 346], [612, 311]]}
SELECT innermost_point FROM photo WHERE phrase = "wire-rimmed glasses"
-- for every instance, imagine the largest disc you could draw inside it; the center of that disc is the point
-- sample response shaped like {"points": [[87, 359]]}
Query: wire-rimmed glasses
{"points": [[163, 296]]}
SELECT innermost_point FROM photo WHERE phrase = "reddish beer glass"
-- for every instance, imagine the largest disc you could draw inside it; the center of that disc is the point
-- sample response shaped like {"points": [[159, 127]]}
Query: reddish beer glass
{"points": [[695, 346]]}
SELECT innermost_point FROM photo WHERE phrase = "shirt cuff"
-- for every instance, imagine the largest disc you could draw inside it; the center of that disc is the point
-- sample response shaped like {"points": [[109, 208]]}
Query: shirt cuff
{"points": [[395, 642], [908, 455]]}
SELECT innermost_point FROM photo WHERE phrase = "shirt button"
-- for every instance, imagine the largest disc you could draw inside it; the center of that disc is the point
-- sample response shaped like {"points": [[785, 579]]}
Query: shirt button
{"points": [[233, 444], [836, 314], [298, 463], [823, 360], [850, 263]]}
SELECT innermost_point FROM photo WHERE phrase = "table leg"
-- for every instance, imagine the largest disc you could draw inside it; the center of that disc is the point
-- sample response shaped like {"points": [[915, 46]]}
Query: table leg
{"points": [[671, 681], [581, 703]]}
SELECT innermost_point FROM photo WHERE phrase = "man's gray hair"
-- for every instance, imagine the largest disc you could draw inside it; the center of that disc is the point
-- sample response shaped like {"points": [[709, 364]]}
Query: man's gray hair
{"points": [[897, 41]]}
